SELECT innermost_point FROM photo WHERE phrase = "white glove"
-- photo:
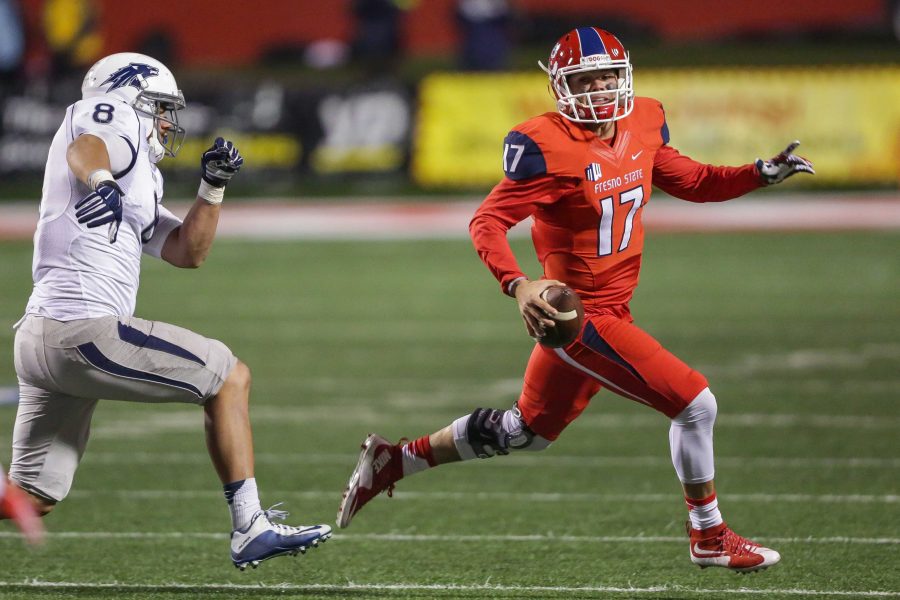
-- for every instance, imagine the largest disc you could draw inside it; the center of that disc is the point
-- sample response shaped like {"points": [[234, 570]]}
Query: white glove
{"points": [[777, 169]]}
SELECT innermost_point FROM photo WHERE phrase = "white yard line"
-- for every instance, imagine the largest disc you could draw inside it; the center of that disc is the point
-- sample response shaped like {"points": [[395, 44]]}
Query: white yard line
{"points": [[167, 419], [423, 537], [548, 460], [494, 496], [487, 587], [805, 359]]}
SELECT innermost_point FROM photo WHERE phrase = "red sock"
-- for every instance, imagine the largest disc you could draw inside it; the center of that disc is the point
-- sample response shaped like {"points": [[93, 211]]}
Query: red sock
{"points": [[417, 456]]}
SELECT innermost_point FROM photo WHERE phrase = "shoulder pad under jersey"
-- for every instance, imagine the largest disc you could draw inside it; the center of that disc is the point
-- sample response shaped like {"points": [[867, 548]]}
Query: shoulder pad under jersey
{"points": [[550, 145], [106, 114], [651, 120]]}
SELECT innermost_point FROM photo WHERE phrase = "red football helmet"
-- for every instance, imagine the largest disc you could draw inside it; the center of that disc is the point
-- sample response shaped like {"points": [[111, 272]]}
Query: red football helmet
{"points": [[590, 49]]}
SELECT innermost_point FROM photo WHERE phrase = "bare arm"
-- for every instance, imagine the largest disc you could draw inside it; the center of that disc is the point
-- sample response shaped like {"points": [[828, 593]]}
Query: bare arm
{"points": [[86, 155], [188, 245]]}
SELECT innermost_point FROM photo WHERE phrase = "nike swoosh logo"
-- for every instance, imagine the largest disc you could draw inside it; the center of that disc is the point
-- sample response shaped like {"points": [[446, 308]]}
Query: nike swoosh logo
{"points": [[698, 551], [634, 156]]}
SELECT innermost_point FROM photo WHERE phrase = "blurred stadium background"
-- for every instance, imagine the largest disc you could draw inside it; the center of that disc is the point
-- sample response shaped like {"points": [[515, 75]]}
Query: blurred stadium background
{"points": [[387, 97], [371, 128]]}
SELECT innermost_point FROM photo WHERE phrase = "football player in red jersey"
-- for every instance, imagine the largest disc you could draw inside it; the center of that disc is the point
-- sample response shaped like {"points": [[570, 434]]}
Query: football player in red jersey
{"points": [[584, 173], [18, 506]]}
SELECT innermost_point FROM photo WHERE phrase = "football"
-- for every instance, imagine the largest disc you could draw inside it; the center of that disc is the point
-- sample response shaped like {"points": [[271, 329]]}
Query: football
{"points": [[568, 320]]}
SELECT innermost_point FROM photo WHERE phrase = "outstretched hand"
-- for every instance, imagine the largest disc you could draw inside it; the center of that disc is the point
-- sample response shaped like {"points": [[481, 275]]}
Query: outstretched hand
{"points": [[780, 167]]}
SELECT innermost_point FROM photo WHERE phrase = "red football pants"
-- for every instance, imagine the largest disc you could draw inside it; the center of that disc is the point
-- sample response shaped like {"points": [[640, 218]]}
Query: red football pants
{"points": [[610, 352]]}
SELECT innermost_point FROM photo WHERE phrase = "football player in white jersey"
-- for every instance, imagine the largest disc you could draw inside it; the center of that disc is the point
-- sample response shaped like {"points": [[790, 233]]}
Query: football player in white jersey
{"points": [[79, 340]]}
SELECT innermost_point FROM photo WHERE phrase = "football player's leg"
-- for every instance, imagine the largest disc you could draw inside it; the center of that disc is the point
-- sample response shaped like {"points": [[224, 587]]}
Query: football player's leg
{"points": [[691, 445], [553, 395], [49, 438], [635, 365], [150, 361], [227, 420], [52, 426], [255, 537]]}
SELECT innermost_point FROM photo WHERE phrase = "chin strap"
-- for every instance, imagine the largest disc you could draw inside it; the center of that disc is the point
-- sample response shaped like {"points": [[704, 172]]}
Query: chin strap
{"points": [[157, 150]]}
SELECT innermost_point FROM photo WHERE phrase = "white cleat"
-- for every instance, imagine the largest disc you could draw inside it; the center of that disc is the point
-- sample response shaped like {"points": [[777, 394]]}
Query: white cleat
{"points": [[263, 539]]}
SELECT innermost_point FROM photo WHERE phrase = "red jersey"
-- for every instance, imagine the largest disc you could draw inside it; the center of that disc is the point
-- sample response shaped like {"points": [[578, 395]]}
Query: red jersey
{"points": [[587, 197]]}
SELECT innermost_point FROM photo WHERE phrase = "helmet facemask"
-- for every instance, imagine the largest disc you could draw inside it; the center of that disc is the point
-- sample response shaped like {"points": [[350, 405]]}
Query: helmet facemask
{"points": [[593, 106], [163, 108]]}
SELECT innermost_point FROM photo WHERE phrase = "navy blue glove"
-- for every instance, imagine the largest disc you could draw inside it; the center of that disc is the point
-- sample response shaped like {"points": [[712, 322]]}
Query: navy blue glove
{"points": [[220, 163], [777, 169], [102, 206]]}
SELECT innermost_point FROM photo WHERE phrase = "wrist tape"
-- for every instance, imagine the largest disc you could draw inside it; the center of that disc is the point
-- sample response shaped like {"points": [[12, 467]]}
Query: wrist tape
{"points": [[210, 193], [97, 177]]}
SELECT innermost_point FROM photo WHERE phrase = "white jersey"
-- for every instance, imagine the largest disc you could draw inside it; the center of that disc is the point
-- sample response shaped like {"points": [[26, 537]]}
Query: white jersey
{"points": [[77, 273]]}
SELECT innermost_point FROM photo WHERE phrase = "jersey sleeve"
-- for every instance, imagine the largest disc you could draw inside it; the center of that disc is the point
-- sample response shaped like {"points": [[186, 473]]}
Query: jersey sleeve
{"points": [[114, 122], [685, 178], [522, 157], [166, 223], [509, 203]]}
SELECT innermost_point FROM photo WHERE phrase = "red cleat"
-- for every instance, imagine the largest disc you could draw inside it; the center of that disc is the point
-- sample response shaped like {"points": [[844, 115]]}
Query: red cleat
{"points": [[379, 467], [719, 546], [16, 505]]}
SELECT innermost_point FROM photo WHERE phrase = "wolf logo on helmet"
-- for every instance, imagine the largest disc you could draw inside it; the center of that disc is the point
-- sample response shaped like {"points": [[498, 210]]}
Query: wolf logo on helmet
{"points": [[135, 75]]}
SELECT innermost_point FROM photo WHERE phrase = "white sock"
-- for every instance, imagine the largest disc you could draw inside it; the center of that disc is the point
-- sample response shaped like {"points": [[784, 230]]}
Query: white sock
{"points": [[704, 513], [243, 501]]}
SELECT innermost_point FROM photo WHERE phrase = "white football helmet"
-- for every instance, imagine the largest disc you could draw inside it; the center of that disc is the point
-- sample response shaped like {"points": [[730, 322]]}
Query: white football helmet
{"points": [[147, 85]]}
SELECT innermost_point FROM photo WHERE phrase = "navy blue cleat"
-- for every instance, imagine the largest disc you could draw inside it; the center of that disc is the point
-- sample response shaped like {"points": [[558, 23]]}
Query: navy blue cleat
{"points": [[263, 539]]}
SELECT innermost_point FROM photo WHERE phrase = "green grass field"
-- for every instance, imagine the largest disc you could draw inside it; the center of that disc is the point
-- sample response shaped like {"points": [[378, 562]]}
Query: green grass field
{"points": [[799, 335]]}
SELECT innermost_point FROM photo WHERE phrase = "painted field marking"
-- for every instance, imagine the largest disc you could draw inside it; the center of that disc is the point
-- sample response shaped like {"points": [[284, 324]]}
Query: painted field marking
{"points": [[519, 460], [350, 586], [424, 537], [169, 420], [493, 496]]}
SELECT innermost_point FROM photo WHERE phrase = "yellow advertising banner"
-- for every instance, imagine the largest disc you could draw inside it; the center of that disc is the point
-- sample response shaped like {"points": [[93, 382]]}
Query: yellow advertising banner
{"points": [[847, 119]]}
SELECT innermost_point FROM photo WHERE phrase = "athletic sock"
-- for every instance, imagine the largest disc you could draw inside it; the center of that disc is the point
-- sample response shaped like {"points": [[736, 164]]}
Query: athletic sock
{"points": [[243, 501], [417, 456], [704, 513]]}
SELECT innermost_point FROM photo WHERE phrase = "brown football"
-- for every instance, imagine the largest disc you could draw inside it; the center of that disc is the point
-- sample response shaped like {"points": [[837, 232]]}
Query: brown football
{"points": [[568, 320]]}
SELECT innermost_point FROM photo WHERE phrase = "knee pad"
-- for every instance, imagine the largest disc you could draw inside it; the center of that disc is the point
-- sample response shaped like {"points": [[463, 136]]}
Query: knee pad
{"points": [[701, 412], [691, 439], [490, 431], [485, 434]]}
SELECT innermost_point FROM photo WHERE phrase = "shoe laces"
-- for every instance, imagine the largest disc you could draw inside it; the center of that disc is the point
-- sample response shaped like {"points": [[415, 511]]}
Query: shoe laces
{"points": [[280, 515], [736, 544]]}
